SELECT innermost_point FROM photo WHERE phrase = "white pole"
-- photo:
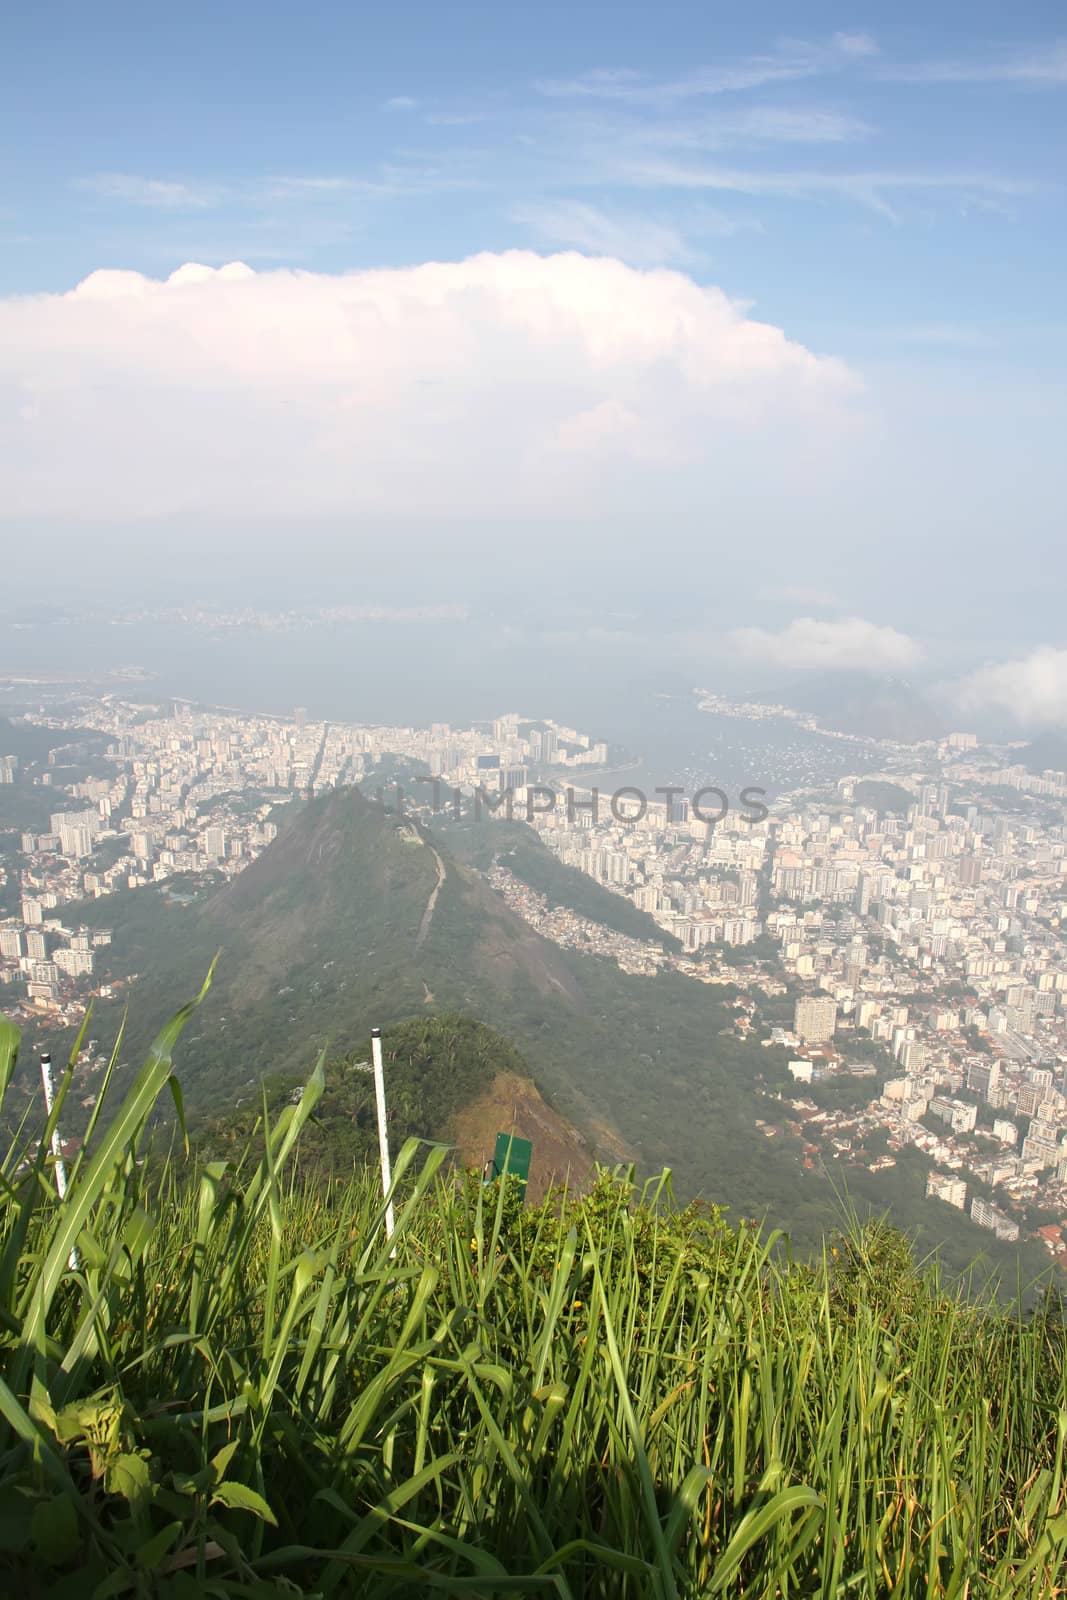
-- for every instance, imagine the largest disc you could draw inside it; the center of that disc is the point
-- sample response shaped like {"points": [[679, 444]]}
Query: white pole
{"points": [[49, 1102], [57, 1143], [383, 1132]]}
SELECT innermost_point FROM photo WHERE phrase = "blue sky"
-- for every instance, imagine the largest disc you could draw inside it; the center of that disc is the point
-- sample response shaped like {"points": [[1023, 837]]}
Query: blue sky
{"points": [[885, 186], [867, 177]]}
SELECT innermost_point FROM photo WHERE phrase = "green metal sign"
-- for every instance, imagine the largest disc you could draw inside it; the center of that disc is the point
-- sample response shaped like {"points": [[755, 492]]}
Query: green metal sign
{"points": [[512, 1155]]}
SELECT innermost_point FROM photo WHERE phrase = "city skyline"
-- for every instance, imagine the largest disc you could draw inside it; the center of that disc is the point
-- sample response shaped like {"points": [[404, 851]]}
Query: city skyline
{"points": [[896, 935]]}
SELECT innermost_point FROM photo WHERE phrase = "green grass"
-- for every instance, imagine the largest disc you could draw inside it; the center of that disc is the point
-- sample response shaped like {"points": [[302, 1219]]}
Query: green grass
{"points": [[228, 1381]]}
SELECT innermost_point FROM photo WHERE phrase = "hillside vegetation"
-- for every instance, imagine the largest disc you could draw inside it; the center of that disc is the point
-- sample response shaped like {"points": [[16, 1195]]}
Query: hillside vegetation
{"points": [[449, 1078], [516, 846], [320, 939], [227, 1381], [883, 796]]}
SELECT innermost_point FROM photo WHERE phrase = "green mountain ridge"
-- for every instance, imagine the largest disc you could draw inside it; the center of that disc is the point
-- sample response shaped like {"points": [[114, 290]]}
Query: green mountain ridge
{"points": [[323, 935], [355, 917], [450, 1080]]}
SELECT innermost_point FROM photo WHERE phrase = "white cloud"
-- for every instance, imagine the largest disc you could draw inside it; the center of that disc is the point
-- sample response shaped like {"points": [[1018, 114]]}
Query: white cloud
{"points": [[1033, 689], [755, 125], [633, 88], [1046, 68], [455, 119], [630, 236], [848, 643], [634, 238], [788, 125], [159, 192], [285, 188], [868, 189], [503, 382], [791, 60], [855, 44], [400, 102]]}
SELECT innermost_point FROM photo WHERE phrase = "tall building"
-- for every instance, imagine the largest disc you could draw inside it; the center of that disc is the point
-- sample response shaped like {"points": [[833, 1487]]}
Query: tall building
{"points": [[61, 820], [982, 1078], [815, 1018], [969, 871], [75, 963], [943, 1186], [987, 1216]]}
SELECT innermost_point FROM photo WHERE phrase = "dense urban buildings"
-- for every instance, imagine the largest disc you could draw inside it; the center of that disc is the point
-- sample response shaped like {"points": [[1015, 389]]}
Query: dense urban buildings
{"points": [[904, 930]]}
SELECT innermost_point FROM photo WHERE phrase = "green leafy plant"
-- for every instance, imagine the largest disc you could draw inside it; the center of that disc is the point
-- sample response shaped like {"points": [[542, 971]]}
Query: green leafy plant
{"points": [[218, 1376]]}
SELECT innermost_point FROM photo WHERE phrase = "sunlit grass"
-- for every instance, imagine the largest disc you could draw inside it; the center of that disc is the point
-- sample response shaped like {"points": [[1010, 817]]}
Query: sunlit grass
{"points": [[239, 1389]]}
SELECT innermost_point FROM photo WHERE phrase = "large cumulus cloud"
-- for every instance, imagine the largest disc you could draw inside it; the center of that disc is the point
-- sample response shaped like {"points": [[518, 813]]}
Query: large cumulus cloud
{"points": [[847, 643], [502, 380], [1032, 689]]}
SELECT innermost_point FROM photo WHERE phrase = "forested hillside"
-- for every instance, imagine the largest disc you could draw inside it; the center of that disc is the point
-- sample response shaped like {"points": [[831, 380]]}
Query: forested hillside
{"points": [[355, 917]]}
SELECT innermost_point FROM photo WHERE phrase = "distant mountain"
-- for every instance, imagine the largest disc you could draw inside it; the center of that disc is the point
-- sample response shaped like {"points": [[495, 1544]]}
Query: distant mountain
{"points": [[883, 796], [32, 743], [355, 917], [1046, 753], [865, 704]]}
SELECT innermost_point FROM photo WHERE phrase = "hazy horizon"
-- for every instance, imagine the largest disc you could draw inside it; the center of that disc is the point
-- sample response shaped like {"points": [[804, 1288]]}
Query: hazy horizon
{"points": [[739, 342]]}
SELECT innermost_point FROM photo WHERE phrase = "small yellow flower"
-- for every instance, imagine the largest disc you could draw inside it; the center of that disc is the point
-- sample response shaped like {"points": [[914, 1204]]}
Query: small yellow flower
{"points": [[576, 1306]]}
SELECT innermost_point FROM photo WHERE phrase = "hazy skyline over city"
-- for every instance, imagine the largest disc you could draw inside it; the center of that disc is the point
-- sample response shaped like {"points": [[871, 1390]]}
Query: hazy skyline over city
{"points": [[740, 338]]}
